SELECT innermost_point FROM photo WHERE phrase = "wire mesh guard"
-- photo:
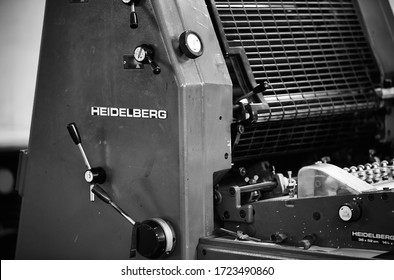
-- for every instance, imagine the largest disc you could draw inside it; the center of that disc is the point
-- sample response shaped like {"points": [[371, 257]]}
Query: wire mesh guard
{"points": [[315, 56]]}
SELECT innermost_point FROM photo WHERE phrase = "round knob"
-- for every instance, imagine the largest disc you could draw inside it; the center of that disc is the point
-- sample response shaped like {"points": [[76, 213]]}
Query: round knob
{"points": [[141, 53], [155, 238], [349, 212], [190, 44], [95, 175], [144, 54]]}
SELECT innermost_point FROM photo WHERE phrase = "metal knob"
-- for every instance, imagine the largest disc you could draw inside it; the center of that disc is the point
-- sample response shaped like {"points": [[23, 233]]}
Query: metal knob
{"points": [[190, 44], [133, 13], [349, 212], [144, 54]]}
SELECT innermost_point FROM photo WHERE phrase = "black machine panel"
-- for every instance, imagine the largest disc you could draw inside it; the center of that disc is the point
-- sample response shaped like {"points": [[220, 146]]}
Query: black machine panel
{"points": [[317, 62]]}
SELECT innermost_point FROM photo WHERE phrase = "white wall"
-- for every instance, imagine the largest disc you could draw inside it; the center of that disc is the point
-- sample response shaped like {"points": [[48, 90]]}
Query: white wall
{"points": [[20, 36]]}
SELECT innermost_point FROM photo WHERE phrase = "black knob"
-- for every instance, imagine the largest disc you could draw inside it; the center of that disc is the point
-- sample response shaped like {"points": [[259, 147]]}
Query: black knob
{"points": [[73, 130], [95, 175], [190, 44], [155, 68], [133, 14], [349, 212], [144, 54], [133, 20], [154, 238]]}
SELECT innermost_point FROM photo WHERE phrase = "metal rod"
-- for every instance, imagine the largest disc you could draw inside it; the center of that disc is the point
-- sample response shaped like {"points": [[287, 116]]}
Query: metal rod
{"points": [[121, 212], [85, 159], [259, 186]]}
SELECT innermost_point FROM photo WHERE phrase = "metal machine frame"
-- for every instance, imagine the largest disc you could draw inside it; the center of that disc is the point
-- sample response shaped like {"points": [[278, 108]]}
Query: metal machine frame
{"points": [[153, 112]]}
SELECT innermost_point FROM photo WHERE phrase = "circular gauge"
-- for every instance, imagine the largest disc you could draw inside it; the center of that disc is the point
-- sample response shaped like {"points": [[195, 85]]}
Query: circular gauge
{"points": [[349, 212], [345, 213], [191, 44]]}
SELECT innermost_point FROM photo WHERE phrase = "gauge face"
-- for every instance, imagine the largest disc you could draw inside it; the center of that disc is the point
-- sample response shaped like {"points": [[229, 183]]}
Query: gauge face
{"points": [[190, 44], [194, 42], [350, 212], [345, 213], [139, 54]]}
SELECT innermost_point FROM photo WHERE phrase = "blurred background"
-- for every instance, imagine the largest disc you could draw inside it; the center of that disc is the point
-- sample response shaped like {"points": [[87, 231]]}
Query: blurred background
{"points": [[20, 34]]}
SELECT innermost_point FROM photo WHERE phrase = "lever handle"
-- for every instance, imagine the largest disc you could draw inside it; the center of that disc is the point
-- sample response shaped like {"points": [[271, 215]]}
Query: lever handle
{"points": [[102, 194], [133, 17], [155, 67], [144, 54], [73, 130], [133, 14]]}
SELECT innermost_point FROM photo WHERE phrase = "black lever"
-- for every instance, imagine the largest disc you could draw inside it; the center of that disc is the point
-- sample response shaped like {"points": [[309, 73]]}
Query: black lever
{"points": [[133, 14], [144, 54], [73, 130], [259, 88], [92, 175], [103, 195]]}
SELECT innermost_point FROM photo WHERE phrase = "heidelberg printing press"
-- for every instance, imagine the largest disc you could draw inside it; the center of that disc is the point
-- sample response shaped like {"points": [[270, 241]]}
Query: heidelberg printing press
{"points": [[184, 129]]}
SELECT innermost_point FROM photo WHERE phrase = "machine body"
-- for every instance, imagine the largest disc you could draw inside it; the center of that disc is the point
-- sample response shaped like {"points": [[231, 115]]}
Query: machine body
{"points": [[152, 134]]}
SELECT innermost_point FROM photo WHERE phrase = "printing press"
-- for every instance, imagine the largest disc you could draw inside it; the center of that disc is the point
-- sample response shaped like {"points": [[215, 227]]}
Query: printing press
{"points": [[211, 130]]}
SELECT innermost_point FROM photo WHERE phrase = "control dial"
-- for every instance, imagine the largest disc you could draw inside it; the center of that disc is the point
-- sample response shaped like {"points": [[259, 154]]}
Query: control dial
{"points": [[191, 44], [155, 238], [95, 175], [349, 212], [144, 54], [141, 53]]}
